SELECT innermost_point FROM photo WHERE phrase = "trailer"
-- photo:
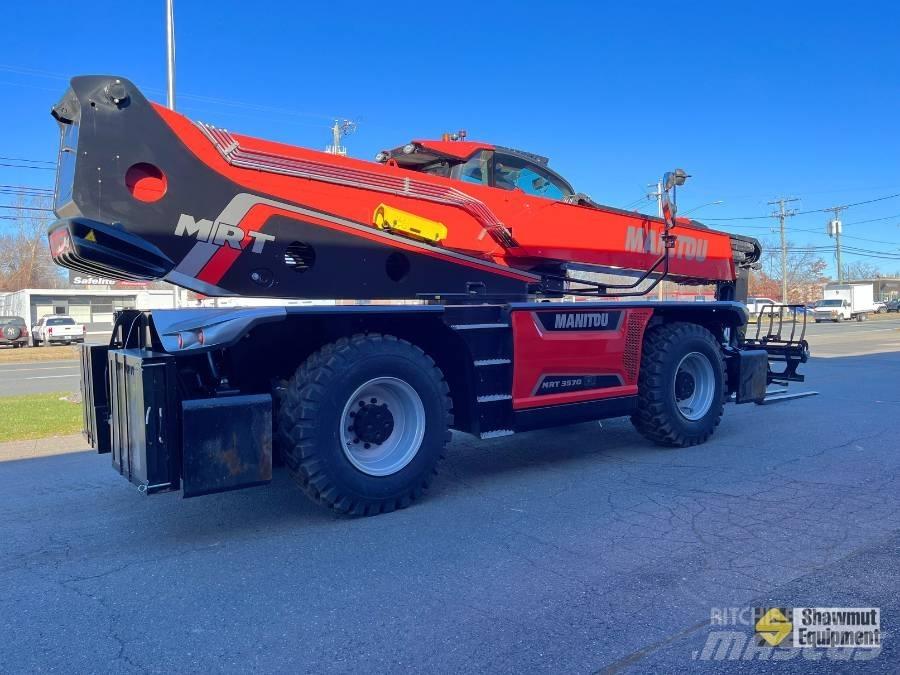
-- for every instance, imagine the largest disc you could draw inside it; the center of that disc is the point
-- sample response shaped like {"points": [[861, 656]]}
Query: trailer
{"points": [[358, 400]]}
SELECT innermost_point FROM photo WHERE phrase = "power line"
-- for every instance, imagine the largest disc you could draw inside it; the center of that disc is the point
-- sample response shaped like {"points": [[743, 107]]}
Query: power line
{"points": [[872, 220], [868, 201], [22, 159], [27, 187], [801, 213], [25, 166]]}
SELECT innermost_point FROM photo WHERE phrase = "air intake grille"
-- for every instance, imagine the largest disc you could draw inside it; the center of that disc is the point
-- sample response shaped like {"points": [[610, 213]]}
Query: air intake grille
{"points": [[299, 256], [634, 333]]}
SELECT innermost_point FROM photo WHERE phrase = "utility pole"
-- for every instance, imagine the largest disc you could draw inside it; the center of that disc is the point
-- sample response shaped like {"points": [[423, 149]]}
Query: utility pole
{"points": [[170, 54], [659, 212], [781, 214], [657, 196], [834, 229], [338, 130]]}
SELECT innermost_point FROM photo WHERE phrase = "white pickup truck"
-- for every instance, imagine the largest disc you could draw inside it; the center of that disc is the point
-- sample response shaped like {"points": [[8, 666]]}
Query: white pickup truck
{"points": [[843, 302], [56, 329]]}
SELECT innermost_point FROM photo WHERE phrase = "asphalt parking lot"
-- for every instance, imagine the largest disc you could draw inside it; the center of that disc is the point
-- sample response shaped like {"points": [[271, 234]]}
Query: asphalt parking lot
{"points": [[580, 549]]}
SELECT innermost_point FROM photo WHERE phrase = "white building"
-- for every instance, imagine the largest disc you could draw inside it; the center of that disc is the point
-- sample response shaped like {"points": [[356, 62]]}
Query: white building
{"points": [[92, 307]]}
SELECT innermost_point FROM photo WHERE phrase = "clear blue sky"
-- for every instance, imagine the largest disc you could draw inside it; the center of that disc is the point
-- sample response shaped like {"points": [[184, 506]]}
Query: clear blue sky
{"points": [[755, 100]]}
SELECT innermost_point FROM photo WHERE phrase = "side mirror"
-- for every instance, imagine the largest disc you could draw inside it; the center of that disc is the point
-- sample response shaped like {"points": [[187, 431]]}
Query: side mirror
{"points": [[673, 178]]}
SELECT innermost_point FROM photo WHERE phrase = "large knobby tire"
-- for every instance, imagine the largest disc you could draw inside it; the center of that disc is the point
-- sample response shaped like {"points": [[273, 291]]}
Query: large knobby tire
{"points": [[363, 424], [681, 387]]}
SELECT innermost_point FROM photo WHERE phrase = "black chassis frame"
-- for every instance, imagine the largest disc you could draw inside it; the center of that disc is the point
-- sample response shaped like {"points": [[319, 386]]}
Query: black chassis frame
{"points": [[246, 354]]}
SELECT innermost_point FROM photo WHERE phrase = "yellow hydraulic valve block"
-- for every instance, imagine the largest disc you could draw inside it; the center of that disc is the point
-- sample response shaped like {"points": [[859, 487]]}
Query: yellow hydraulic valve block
{"points": [[402, 222]]}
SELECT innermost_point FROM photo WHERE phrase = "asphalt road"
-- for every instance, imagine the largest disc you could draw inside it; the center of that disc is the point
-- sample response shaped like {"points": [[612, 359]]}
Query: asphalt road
{"points": [[17, 379], [580, 549]]}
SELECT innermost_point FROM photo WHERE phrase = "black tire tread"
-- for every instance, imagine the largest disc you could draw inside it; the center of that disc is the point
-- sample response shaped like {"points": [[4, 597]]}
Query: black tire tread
{"points": [[299, 409], [651, 419]]}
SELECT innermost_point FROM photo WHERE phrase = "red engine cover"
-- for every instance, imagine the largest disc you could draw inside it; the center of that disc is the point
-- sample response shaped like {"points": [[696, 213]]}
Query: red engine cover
{"points": [[584, 354]]}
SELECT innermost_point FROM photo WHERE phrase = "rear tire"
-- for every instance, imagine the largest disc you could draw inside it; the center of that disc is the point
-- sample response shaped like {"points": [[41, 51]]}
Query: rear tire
{"points": [[681, 386], [333, 452]]}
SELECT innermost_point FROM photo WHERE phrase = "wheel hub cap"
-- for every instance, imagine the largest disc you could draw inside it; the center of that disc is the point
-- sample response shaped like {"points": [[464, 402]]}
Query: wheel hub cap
{"points": [[373, 422], [684, 385]]}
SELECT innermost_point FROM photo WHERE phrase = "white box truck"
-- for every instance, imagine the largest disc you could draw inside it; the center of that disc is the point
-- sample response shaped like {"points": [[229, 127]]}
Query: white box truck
{"points": [[842, 302]]}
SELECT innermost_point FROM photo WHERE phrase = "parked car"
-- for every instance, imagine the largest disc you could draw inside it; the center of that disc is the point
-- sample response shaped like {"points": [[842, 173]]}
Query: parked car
{"points": [[13, 331], [755, 305], [880, 307], [893, 305], [56, 329]]}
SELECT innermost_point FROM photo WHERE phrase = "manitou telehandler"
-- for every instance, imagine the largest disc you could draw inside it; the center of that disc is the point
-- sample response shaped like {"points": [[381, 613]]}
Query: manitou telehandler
{"points": [[359, 399]]}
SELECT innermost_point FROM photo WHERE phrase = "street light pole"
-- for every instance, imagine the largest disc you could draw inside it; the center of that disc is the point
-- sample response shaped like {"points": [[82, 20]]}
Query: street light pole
{"points": [[697, 208], [170, 94], [170, 54]]}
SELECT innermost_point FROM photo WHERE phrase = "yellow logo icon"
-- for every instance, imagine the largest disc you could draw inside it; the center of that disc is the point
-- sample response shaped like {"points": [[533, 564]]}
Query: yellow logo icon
{"points": [[773, 627], [90, 236]]}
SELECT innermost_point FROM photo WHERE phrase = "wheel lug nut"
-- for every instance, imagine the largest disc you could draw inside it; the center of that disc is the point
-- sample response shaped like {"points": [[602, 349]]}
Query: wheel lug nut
{"points": [[373, 400], [367, 446]]}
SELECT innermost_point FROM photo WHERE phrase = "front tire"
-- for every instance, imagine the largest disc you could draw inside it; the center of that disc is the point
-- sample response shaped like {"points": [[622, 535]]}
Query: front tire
{"points": [[364, 422], [681, 386]]}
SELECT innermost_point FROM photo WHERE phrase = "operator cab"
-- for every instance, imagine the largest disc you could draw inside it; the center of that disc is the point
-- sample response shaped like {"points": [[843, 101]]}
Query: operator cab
{"points": [[482, 164]]}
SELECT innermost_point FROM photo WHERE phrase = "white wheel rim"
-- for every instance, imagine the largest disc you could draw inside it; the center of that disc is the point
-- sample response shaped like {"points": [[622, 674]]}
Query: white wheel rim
{"points": [[374, 444], [694, 386]]}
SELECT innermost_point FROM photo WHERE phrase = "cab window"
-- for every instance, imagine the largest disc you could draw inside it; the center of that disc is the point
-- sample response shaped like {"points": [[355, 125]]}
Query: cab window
{"points": [[474, 169], [517, 173]]}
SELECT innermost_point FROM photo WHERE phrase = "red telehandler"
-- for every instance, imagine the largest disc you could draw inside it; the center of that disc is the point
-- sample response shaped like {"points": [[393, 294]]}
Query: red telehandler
{"points": [[359, 399]]}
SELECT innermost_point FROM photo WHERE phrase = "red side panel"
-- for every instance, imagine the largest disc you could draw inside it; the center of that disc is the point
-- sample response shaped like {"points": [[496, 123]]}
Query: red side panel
{"points": [[564, 356]]}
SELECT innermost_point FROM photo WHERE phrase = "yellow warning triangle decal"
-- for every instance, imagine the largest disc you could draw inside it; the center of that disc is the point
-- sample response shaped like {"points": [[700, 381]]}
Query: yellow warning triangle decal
{"points": [[90, 236]]}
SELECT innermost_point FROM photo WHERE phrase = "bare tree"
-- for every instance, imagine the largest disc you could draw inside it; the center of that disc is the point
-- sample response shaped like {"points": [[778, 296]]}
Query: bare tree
{"points": [[805, 274], [24, 252], [861, 269]]}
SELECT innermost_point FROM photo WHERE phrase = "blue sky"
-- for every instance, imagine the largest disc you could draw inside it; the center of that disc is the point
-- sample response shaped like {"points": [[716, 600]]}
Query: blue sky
{"points": [[755, 100]]}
